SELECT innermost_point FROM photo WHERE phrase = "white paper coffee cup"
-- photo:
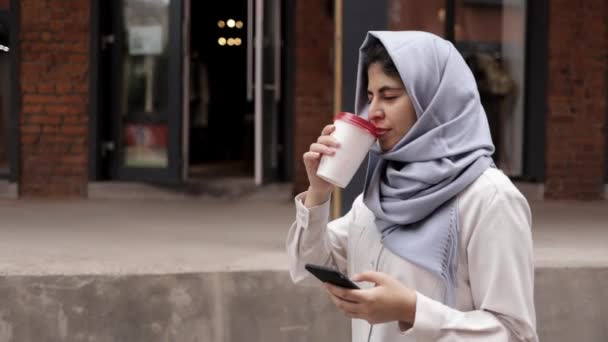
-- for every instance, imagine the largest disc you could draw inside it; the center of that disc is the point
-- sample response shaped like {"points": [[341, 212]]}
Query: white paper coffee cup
{"points": [[356, 136]]}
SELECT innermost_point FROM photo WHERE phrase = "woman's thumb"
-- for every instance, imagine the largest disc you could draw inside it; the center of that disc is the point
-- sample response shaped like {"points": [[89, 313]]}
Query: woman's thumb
{"points": [[372, 277]]}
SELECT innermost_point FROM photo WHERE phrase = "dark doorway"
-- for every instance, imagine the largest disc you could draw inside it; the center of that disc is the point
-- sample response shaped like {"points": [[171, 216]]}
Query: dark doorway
{"points": [[221, 115], [5, 94]]}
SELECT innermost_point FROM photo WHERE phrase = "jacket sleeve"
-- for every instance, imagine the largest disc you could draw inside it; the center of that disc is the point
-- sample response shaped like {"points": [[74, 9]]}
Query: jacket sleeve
{"points": [[311, 239], [501, 271]]}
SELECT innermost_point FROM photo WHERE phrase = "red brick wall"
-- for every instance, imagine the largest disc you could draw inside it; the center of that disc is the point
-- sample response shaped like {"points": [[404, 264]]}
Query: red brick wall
{"points": [[577, 91], [313, 80], [416, 15], [54, 91]]}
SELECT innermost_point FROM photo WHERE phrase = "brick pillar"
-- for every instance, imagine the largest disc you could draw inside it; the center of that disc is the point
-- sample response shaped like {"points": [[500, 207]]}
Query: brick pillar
{"points": [[577, 91], [313, 80], [54, 75]]}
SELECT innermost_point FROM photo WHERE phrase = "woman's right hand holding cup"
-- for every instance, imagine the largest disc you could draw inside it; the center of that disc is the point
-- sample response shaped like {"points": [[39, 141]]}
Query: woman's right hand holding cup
{"points": [[319, 189]]}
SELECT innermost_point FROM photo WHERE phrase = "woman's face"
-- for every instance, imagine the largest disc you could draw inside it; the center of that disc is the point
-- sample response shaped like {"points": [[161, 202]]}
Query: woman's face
{"points": [[390, 108]]}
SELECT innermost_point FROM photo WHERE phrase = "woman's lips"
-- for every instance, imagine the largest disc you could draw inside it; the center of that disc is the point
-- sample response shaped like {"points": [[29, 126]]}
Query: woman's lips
{"points": [[381, 131]]}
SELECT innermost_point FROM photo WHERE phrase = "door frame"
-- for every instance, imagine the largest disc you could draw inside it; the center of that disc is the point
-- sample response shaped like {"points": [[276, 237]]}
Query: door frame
{"points": [[258, 9], [11, 17], [536, 76], [96, 166], [268, 93], [357, 17]]}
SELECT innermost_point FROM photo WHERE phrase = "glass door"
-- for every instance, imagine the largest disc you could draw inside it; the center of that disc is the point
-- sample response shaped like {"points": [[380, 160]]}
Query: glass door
{"points": [[147, 98], [5, 95]]}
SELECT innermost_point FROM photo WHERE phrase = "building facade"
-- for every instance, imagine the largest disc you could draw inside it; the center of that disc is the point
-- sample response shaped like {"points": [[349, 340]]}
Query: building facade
{"points": [[177, 91]]}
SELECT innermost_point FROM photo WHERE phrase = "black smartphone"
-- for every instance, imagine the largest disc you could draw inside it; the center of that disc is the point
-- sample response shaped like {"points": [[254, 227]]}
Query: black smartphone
{"points": [[329, 275]]}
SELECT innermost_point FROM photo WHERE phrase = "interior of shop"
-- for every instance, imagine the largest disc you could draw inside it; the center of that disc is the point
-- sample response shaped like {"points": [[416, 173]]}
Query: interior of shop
{"points": [[221, 132]]}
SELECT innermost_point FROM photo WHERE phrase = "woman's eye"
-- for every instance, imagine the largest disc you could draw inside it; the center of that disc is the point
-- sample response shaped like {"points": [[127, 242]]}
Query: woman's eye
{"points": [[390, 97]]}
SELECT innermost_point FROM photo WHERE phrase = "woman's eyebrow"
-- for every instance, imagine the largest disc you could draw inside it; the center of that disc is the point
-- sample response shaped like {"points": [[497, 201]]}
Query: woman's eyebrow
{"points": [[387, 88]]}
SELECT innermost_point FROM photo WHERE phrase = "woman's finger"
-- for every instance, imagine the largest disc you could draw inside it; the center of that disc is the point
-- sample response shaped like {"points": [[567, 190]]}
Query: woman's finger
{"points": [[311, 156], [322, 149], [328, 140], [344, 294], [327, 130]]}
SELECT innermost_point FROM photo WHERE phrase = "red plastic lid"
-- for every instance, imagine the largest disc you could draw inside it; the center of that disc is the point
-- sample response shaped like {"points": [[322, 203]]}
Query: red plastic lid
{"points": [[357, 121]]}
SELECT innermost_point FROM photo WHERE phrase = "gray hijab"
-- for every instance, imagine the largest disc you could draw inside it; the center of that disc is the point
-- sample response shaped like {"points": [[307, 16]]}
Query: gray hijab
{"points": [[411, 189]]}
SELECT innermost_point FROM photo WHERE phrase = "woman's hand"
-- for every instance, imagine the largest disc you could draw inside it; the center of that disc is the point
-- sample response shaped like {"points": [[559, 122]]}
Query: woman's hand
{"points": [[388, 301], [319, 189]]}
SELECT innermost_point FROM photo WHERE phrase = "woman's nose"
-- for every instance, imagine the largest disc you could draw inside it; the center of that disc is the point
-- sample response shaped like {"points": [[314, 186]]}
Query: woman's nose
{"points": [[375, 113]]}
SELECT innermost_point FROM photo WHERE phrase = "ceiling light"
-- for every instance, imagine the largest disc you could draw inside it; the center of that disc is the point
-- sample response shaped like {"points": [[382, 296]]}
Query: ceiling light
{"points": [[221, 41], [221, 24], [231, 23]]}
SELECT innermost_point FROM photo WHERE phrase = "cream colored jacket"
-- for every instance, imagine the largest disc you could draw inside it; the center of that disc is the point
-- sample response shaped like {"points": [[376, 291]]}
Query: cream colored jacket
{"points": [[494, 295]]}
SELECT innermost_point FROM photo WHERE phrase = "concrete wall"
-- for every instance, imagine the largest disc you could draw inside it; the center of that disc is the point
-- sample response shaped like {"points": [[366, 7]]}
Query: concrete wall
{"points": [[571, 303], [208, 307]]}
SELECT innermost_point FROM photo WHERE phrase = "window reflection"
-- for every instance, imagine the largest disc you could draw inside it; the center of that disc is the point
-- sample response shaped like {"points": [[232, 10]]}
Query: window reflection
{"points": [[490, 34], [145, 82]]}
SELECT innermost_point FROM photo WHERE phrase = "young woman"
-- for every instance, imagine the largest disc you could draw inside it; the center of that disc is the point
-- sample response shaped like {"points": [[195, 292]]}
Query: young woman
{"points": [[440, 238]]}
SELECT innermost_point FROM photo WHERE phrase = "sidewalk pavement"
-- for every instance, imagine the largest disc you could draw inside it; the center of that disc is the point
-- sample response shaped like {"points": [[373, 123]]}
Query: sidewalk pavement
{"points": [[196, 234]]}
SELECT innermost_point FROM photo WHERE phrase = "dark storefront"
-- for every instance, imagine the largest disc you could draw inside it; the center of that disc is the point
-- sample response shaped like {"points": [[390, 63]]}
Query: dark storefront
{"points": [[176, 94]]}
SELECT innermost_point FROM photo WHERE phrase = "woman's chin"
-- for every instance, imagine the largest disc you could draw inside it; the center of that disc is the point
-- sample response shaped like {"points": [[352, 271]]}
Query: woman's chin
{"points": [[385, 147]]}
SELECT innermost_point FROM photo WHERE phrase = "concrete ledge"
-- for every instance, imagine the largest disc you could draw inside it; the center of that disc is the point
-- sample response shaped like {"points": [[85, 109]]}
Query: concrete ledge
{"points": [[130, 191], [536, 191], [8, 190], [572, 304], [210, 307], [228, 188], [263, 306], [532, 191]]}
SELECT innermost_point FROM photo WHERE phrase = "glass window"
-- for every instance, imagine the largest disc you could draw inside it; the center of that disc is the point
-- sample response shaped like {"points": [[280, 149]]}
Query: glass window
{"points": [[491, 36], [145, 82]]}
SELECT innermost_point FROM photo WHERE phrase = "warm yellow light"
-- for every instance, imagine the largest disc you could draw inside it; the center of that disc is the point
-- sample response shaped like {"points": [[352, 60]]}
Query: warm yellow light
{"points": [[221, 24], [221, 41], [239, 24], [231, 23], [237, 41], [230, 41]]}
